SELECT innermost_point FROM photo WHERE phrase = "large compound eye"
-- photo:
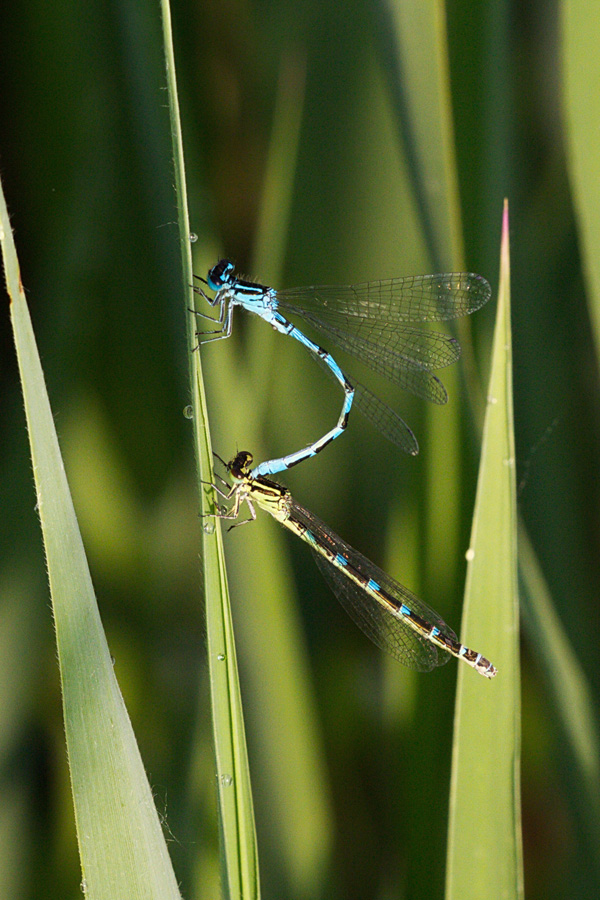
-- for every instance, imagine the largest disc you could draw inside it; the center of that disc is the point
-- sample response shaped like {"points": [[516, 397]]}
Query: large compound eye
{"points": [[246, 458], [220, 274], [240, 464], [243, 459]]}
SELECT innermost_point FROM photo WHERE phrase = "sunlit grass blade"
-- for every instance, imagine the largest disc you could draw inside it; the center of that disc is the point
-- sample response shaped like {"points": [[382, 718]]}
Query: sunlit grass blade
{"points": [[239, 858], [484, 837], [276, 200], [420, 85], [290, 760], [274, 213], [572, 693], [420, 89], [122, 849], [581, 71]]}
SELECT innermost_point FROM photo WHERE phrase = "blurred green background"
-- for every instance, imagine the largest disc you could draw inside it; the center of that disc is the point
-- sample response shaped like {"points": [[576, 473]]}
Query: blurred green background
{"points": [[308, 132]]}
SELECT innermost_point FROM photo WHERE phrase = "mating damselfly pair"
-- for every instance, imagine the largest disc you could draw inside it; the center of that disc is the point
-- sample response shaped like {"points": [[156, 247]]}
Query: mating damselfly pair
{"points": [[374, 322]]}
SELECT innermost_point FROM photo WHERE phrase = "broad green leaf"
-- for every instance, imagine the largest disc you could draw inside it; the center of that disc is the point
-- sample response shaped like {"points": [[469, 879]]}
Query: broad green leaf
{"points": [[122, 849], [484, 839]]}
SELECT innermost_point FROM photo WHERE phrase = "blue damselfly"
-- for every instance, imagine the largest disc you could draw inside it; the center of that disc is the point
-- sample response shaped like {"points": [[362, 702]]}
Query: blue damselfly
{"points": [[373, 322]]}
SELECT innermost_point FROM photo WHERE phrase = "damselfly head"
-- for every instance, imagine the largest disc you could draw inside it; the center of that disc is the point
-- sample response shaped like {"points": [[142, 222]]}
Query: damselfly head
{"points": [[220, 274], [241, 465]]}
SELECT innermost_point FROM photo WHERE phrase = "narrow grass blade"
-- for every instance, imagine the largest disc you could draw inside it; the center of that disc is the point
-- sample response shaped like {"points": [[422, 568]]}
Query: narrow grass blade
{"points": [[573, 697], [290, 762], [274, 213], [122, 849], [276, 201], [239, 859], [484, 836], [420, 86], [581, 76]]}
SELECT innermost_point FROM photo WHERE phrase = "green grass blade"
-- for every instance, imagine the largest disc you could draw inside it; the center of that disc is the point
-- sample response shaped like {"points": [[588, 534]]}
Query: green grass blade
{"points": [[484, 838], [581, 71], [573, 696], [239, 858], [272, 228], [290, 757], [420, 84], [122, 849], [420, 88]]}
